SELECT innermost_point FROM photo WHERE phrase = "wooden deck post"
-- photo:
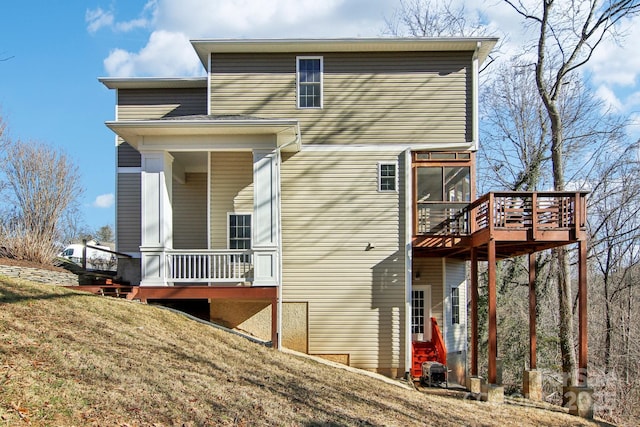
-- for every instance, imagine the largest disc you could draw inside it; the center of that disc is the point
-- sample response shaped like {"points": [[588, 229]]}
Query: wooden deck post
{"points": [[532, 311], [493, 334], [582, 314], [474, 312]]}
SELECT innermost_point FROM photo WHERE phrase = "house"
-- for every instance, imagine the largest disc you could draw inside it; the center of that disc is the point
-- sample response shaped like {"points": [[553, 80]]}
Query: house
{"points": [[320, 194]]}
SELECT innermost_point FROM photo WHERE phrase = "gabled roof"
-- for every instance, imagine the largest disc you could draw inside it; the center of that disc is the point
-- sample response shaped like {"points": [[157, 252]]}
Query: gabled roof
{"points": [[452, 44]]}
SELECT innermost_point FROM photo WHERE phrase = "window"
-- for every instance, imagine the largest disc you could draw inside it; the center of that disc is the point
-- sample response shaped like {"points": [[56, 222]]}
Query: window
{"points": [[417, 311], [239, 231], [309, 71], [442, 188], [455, 306], [444, 184], [387, 176]]}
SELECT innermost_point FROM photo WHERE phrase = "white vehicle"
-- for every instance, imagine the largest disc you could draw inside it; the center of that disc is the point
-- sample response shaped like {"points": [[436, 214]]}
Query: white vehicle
{"points": [[96, 258]]}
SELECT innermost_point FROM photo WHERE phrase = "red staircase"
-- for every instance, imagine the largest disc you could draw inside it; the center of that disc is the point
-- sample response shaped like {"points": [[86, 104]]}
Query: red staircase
{"points": [[428, 351]]}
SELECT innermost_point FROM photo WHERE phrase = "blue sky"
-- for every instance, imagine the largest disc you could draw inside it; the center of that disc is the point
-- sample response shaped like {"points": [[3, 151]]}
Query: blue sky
{"points": [[57, 50]]}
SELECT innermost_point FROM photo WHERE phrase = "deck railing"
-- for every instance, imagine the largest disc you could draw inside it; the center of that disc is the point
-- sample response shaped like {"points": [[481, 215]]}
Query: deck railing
{"points": [[208, 266], [504, 210]]}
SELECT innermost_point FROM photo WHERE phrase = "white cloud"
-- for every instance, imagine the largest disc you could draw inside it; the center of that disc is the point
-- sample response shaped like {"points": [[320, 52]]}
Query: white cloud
{"points": [[609, 98], [97, 19], [166, 54], [174, 22], [104, 201], [617, 62]]}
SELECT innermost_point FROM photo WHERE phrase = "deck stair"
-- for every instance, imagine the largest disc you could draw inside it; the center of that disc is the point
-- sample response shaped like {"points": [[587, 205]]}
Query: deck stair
{"points": [[423, 352]]}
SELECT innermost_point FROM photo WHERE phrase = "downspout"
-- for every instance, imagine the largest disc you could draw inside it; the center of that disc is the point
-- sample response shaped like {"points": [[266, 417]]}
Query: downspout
{"points": [[476, 146], [408, 277], [296, 140], [475, 126]]}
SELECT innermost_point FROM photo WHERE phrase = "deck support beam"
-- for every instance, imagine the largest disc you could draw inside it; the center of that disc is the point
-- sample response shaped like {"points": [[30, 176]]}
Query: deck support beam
{"points": [[493, 324], [582, 314], [532, 312]]}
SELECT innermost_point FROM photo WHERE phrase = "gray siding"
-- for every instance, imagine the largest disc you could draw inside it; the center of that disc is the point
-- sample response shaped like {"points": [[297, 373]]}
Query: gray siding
{"points": [[190, 212], [410, 97], [128, 210], [128, 156], [331, 211], [154, 104], [231, 191]]}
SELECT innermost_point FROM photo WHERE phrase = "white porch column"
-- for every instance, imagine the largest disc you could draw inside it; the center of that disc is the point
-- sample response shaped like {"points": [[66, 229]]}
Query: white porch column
{"points": [[156, 216], [265, 221]]}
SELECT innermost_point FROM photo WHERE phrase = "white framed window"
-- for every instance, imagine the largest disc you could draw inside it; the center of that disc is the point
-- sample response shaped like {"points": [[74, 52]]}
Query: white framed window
{"points": [[387, 177], [455, 306], [239, 230], [309, 71]]}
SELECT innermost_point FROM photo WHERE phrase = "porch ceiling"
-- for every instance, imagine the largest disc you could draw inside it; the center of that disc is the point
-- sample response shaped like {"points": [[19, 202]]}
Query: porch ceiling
{"points": [[285, 132]]}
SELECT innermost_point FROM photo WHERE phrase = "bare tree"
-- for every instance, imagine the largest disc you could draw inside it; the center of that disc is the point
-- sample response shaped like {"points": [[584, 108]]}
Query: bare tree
{"points": [[105, 234], [437, 18], [42, 183], [568, 34]]}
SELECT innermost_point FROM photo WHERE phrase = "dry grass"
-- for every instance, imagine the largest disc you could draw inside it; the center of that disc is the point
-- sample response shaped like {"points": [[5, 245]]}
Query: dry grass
{"points": [[74, 359]]}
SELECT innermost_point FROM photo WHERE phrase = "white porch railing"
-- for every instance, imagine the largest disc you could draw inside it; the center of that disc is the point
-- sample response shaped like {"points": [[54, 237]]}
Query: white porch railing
{"points": [[206, 266]]}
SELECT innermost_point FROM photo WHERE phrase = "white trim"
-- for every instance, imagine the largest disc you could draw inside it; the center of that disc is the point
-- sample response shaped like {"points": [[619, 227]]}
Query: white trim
{"points": [[396, 180], [426, 315], [463, 146], [446, 304], [209, 84], [408, 275], [475, 126], [209, 199], [298, 58], [128, 169]]}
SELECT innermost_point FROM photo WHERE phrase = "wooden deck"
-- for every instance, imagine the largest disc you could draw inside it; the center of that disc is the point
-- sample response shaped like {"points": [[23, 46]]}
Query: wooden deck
{"points": [[518, 222], [503, 225]]}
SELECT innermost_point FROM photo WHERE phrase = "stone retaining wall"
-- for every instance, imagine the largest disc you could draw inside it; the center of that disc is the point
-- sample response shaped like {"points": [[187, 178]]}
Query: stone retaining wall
{"points": [[39, 275]]}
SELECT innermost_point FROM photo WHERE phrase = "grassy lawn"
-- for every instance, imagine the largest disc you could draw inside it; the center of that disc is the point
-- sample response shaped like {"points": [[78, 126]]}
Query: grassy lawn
{"points": [[72, 359]]}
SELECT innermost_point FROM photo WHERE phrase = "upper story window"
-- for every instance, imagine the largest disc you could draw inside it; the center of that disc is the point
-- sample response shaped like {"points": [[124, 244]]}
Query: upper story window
{"points": [[309, 78], [387, 176]]}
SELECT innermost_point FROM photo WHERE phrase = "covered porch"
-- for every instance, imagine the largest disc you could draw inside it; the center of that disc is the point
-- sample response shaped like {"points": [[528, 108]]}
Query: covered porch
{"points": [[224, 230]]}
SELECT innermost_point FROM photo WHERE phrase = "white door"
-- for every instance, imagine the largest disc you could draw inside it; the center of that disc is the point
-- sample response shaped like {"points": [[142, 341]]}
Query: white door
{"points": [[421, 313]]}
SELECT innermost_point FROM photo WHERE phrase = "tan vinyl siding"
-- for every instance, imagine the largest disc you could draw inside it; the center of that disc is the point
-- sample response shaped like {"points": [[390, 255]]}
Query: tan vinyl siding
{"points": [[155, 104], [128, 157], [331, 211], [409, 97], [128, 212], [430, 270], [231, 191], [190, 212], [455, 337]]}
